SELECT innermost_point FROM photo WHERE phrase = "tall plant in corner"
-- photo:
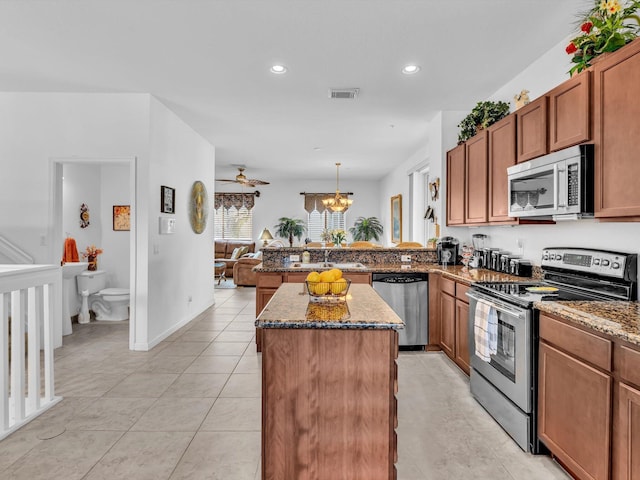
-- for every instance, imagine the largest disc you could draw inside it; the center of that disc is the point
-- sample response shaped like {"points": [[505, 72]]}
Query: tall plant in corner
{"points": [[289, 228], [366, 229], [608, 26]]}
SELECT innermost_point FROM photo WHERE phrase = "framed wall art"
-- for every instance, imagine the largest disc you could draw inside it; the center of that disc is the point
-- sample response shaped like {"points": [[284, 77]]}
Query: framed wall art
{"points": [[167, 199], [396, 218], [122, 218]]}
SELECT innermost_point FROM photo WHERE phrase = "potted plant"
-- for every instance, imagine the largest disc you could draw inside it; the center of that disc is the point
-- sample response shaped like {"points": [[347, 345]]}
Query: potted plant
{"points": [[432, 242], [289, 228], [483, 115], [366, 229], [608, 26]]}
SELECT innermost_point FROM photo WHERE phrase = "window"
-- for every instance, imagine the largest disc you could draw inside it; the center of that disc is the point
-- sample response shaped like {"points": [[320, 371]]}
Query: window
{"points": [[317, 222], [233, 223]]}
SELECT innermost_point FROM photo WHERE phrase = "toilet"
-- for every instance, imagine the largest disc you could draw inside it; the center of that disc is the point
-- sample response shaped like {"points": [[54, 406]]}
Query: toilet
{"points": [[110, 304]]}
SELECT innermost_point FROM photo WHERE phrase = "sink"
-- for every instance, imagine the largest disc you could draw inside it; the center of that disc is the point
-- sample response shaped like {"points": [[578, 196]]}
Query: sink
{"points": [[70, 271], [342, 266], [325, 265]]}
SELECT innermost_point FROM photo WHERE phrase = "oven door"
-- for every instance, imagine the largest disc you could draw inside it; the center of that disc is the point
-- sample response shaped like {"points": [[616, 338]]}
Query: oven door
{"points": [[510, 368]]}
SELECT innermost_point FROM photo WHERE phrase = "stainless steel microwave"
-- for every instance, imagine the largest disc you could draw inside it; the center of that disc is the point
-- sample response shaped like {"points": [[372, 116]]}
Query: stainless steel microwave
{"points": [[558, 185]]}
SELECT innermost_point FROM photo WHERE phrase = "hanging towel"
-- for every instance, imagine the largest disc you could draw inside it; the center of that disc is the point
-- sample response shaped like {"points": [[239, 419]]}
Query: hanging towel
{"points": [[70, 252], [485, 330]]}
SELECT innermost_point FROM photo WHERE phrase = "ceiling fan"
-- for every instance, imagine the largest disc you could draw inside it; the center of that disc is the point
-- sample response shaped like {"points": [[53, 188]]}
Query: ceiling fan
{"points": [[243, 180]]}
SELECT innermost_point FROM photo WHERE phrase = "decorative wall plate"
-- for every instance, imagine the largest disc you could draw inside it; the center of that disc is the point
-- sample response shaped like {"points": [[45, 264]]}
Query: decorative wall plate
{"points": [[198, 207]]}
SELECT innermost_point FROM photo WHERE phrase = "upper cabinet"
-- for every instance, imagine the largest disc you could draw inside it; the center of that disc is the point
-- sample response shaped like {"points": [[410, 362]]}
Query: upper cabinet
{"points": [[616, 133], [569, 112], [532, 130], [456, 185], [502, 154], [475, 204]]}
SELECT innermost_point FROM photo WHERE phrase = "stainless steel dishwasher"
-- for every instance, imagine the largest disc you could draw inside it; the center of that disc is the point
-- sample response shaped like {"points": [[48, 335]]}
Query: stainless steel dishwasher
{"points": [[408, 295]]}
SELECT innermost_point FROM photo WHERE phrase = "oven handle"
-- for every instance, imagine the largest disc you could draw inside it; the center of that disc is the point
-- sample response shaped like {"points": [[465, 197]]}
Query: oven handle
{"points": [[492, 302]]}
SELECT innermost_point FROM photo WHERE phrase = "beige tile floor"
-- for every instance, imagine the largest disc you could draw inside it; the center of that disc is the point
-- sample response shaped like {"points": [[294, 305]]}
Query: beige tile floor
{"points": [[190, 409]]}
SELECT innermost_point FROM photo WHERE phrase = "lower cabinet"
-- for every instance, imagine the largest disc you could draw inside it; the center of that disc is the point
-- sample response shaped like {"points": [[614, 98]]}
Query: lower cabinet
{"points": [[454, 322], [589, 401], [574, 405]]}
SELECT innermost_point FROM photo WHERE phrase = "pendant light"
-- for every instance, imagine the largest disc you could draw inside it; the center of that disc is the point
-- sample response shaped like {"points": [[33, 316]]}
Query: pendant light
{"points": [[338, 203]]}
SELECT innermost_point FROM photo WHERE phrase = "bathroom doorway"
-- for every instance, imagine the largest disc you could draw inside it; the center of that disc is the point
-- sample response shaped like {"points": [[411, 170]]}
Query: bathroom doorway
{"points": [[104, 200]]}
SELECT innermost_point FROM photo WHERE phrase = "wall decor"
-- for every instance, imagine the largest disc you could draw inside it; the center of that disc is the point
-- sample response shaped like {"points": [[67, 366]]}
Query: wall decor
{"points": [[122, 218], [434, 189], [167, 199], [198, 207], [84, 216], [396, 218]]}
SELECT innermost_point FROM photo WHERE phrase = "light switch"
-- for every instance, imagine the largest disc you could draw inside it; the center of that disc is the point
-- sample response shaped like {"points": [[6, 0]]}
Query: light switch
{"points": [[167, 225]]}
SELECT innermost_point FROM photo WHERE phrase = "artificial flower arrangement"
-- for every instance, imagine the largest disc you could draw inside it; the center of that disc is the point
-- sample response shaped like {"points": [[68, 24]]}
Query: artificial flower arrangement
{"points": [[325, 236], [91, 253], [608, 26], [338, 236]]}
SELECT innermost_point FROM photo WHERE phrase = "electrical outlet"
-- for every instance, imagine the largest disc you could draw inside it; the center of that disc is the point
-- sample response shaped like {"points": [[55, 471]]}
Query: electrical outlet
{"points": [[294, 258], [405, 258], [405, 267]]}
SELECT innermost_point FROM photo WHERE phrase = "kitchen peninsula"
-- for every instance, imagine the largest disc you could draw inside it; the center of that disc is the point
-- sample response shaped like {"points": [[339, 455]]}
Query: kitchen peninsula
{"points": [[329, 379]]}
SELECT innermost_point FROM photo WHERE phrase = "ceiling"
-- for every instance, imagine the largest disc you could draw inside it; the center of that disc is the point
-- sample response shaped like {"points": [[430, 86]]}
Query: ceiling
{"points": [[208, 61]]}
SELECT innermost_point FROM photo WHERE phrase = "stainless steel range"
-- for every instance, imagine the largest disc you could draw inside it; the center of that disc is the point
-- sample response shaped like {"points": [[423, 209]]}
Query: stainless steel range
{"points": [[504, 329]]}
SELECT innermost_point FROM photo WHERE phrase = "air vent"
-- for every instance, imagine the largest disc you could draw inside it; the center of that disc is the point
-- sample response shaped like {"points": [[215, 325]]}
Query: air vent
{"points": [[344, 93]]}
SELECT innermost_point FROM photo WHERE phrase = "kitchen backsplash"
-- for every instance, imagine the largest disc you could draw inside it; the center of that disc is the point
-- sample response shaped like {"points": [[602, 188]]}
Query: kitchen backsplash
{"points": [[275, 257]]}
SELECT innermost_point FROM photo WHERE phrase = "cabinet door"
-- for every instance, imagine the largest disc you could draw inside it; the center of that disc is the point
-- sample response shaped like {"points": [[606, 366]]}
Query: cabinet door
{"points": [[356, 277], [434, 311], [532, 130], [569, 108], [616, 133], [574, 413], [462, 336], [502, 155], [627, 434], [448, 324], [475, 207], [455, 185]]}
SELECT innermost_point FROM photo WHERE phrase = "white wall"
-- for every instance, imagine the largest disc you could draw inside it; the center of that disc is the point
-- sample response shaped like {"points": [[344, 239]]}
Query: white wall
{"points": [[281, 198], [38, 127], [114, 190], [179, 265]]}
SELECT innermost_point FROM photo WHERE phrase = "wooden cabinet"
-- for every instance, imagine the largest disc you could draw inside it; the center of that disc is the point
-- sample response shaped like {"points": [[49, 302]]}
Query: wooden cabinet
{"points": [[476, 191], [434, 311], [531, 126], [574, 398], [456, 185], [502, 155], [454, 320], [626, 428], [616, 132], [569, 112]]}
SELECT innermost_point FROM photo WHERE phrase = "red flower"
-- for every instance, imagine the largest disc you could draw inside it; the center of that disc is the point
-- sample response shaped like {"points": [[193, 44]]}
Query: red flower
{"points": [[586, 27], [571, 48]]}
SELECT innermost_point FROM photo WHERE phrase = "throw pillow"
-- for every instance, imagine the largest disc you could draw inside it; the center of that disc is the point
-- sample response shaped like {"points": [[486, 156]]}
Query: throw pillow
{"points": [[236, 253]]}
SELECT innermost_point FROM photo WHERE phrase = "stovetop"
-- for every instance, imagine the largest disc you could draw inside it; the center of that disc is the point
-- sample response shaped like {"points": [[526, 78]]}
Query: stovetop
{"points": [[518, 292]]}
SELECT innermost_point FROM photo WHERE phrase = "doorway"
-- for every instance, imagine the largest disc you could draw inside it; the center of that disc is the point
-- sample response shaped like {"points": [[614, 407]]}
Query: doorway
{"points": [[57, 234]]}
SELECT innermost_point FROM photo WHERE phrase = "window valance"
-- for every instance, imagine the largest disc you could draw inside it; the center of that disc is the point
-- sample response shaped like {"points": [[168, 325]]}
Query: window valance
{"points": [[228, 200], [313, 201]]}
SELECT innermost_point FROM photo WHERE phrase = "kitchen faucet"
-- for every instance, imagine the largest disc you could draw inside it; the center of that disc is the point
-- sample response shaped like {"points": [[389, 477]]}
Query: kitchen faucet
{"points": [[326, 255]]}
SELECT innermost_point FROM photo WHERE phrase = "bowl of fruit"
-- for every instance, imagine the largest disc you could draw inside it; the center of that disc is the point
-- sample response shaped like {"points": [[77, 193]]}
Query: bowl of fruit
{"points": [[327, 286]]}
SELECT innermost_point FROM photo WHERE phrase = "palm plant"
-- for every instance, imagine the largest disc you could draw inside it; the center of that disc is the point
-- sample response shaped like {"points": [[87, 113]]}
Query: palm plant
{"points": [[289, 228], [366, 229]]}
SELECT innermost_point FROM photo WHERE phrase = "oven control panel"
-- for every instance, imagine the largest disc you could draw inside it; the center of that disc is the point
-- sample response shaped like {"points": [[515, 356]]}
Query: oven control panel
{"points": [[600, 262]]}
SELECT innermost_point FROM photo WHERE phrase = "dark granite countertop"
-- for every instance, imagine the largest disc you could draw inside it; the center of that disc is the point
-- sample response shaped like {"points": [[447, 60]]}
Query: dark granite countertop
{"points": [[363, 309], [618, 319]]}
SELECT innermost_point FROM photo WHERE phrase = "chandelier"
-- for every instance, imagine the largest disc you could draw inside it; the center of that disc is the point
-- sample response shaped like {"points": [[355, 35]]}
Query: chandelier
{"points": [[338, 203]]}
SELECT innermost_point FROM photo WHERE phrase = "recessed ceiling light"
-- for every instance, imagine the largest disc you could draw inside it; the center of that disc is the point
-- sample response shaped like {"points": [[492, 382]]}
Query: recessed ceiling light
{"points": [[278, 69], [410, 69]]}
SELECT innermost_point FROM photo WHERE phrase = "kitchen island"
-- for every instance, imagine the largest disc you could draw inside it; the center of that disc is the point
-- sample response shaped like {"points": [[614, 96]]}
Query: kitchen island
{"points": [[329, 379]]}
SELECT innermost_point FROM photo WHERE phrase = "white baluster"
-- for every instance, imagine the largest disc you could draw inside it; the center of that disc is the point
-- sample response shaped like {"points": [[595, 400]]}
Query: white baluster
{"points": [[48, 342], [18, 298], [4, 361], [34, 318]]}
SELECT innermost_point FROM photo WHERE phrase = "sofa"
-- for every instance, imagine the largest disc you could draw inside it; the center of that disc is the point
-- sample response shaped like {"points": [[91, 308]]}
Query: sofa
{"points": [[243, 274], [223, 249]]}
